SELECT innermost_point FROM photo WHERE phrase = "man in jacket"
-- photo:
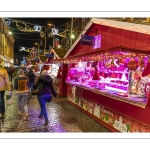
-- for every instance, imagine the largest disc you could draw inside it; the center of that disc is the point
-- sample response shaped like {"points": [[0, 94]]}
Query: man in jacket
{"points": [[4, 85], [31, 75]]}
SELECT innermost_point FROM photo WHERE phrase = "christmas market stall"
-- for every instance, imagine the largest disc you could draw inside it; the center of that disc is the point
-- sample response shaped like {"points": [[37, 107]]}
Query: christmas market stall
{"points": [[59, 80], [109, 74]]}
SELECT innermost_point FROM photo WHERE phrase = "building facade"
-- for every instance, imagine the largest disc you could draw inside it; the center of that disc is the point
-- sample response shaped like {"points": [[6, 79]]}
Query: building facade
{"points": [[6, 45]]}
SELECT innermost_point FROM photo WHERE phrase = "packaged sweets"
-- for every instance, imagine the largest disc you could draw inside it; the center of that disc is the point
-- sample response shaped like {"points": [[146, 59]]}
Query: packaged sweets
{"points": [[147, 89], [134, 82], [141, 86]]}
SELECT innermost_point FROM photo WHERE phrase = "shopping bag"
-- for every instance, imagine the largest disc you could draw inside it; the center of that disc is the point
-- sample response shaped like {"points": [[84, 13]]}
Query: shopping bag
{"points": [[50, 99], [8, 98]]}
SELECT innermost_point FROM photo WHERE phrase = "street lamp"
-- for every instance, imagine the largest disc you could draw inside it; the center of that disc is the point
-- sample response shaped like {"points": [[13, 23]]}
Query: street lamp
{"points": [[72, 36], [53, 35], [10, 32]]}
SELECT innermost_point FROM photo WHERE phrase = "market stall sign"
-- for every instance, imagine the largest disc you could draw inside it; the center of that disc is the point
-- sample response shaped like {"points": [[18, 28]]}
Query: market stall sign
{"points": [[87, 40], [49, 55]]}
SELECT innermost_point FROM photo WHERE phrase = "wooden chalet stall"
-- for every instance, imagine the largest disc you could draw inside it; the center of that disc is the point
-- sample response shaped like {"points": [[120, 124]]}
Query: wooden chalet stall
{"points": [[108, 77], [60, 71]]}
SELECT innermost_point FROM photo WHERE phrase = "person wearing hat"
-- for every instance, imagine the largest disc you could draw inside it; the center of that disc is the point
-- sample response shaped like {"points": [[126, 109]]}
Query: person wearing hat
{"points": [[21, 87], [4, 85], [48, 88]]}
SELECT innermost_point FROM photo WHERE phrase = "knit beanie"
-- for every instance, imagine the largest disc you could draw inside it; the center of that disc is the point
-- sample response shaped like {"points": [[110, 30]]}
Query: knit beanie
{"points": [[20, 71]]}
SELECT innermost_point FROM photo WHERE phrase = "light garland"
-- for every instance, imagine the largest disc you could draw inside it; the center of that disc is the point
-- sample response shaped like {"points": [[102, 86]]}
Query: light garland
{"points": [[121, 56]]}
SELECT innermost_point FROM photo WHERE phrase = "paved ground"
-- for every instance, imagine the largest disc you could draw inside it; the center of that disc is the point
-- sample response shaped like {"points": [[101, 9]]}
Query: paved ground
{"points": [[63, 117]]}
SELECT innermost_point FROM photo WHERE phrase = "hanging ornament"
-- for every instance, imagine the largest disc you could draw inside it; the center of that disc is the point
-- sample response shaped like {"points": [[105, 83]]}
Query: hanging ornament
{"points": [[121, 61], [116, 62], [112, 63], [141, 62], [108, 63], [132, 65], [96, 75]]}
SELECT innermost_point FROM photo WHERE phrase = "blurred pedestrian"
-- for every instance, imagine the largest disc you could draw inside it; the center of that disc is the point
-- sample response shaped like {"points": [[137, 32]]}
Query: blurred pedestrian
{"points": [[21, 86], [4, 85], [48, 88], [10, 71], [31, 75]]}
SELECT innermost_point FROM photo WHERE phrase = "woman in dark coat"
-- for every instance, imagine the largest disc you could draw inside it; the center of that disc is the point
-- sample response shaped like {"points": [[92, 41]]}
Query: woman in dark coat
{"points": [[48, 88]]}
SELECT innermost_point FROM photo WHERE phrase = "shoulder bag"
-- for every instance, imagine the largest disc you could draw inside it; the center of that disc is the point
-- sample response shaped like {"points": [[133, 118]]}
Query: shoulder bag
{"points": [[38, 90]]}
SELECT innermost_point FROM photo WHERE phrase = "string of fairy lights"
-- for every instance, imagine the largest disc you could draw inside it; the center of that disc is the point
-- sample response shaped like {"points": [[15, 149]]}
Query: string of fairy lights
{"points": [[24, 26], [134, 59]]}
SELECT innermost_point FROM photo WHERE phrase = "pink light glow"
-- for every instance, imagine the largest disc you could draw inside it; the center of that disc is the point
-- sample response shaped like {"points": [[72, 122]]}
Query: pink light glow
{"points": [[123, 78], [115, 89]]}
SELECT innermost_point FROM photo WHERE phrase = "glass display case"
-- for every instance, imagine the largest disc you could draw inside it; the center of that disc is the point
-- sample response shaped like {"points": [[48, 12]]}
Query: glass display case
{"points": [[117, 77]]}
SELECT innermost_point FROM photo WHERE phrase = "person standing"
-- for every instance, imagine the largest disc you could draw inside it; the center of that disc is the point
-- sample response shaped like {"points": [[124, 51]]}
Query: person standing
{"points": [[4, 85], [31, 75], [10, 71], [21, 87], [48, 88]]}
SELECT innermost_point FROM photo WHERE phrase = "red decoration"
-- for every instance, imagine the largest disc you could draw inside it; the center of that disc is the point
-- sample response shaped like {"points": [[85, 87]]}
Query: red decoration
{"points": [[96, 76], [113, 75], [141, 62], [146, 69], [132, 65], [136, 76], [88, 64], [121, 61]]}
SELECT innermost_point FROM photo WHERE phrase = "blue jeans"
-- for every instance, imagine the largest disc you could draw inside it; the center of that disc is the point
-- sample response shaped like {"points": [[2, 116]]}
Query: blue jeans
{"points": [[42, 101], [22, 101], [30, 85]]}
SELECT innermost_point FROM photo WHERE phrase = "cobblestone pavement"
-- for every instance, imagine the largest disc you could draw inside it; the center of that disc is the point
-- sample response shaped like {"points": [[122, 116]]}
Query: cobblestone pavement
{"points": [[62, 116]]}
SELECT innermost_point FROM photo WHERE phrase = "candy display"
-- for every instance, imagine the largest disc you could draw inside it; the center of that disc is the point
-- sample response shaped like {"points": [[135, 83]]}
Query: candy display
{"points": [[112, 76]]}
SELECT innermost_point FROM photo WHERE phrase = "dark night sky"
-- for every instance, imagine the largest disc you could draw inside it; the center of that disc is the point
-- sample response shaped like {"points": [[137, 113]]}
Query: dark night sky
{"points": [[27, 42]]}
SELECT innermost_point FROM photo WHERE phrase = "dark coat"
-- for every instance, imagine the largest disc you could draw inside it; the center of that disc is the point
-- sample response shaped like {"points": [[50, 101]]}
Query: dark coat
{"points": [[31, 75], [47, 82]]}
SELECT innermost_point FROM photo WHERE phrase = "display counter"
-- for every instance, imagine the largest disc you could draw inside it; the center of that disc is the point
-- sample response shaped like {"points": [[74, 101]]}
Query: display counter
{"points": [[131, 99], [114, 90]]}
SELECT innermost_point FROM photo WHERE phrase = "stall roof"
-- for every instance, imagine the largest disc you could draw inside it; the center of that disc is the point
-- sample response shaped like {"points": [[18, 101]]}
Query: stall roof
{"points": [[140, 28], [61, 52]]}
